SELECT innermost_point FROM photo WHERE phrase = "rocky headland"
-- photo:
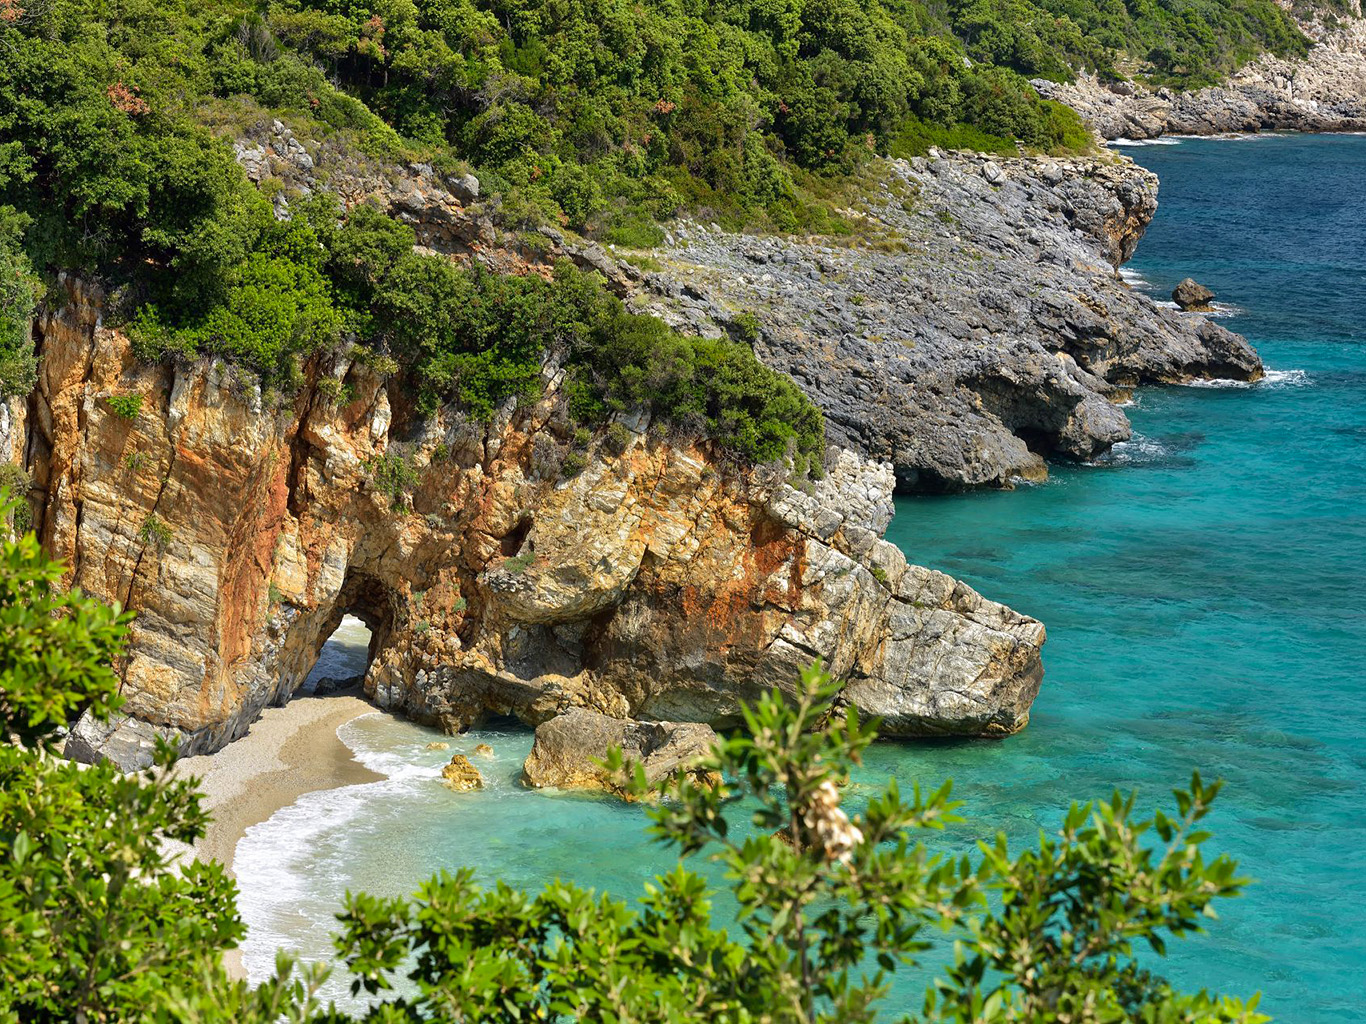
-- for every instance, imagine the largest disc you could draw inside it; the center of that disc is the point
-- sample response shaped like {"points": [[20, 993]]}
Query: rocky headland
{"points": [[656, 583], [975, 328], [984, 332], [1324, 92]]}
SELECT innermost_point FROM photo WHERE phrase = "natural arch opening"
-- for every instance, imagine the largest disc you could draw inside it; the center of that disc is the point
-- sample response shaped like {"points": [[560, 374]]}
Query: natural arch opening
{"points": [[342, 660], [351, 636]]}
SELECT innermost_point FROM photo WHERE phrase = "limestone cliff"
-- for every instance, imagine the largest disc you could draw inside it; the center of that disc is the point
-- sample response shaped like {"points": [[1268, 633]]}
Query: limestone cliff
{"points": [[655, 583]]}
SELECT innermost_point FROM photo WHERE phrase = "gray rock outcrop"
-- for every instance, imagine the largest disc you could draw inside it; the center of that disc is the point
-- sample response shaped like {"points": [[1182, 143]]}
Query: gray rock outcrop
{"points": [[1324, 92], [979, 329]]}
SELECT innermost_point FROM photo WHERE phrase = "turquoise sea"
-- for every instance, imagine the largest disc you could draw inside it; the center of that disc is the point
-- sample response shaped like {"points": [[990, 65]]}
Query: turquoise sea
{"points": [[1205, 606]]}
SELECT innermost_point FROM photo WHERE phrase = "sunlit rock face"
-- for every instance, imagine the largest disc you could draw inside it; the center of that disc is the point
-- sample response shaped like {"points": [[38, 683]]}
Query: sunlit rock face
{"points": [[656, 583]]}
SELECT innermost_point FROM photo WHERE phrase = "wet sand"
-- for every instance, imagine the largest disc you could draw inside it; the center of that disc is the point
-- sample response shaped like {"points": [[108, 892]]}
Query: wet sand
{"points": [[289, 751]]}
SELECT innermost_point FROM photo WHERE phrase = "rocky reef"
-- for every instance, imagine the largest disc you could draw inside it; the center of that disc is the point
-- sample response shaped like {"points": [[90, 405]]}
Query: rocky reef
{"points": [[983, 331], [1324, 92], [657, 583]]}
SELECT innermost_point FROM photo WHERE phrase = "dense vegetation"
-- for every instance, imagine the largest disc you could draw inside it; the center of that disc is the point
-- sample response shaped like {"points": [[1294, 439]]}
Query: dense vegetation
{"points": [[95, 925], [1186, 43], [20, 289], [602, 115], [478, 338]]}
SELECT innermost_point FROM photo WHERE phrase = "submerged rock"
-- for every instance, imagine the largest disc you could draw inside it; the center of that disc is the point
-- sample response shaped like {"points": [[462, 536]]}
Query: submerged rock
{"points": [[1192, 296], [460, 775], [567, 750], [483, 750], [438, 745]]}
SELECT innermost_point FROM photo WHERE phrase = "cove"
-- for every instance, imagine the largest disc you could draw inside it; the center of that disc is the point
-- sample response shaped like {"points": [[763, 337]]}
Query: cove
{"points": [[1202, 590]]}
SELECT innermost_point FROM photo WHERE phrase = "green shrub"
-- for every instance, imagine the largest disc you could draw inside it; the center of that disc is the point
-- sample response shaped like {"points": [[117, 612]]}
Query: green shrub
{"points": [[616, 438], [518, 564], [20, 290], [747, 326], [392, 474], [125, 406], [156, 532], [573, 464], [14, 488]]}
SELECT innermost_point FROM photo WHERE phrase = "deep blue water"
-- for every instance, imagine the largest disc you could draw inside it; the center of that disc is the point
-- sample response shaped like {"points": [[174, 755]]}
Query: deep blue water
{"points": [[1204, 594], [1204, 603]]}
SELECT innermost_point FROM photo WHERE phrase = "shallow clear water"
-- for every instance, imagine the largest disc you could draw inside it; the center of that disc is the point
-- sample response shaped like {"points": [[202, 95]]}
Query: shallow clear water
{"points": [[1204, 603]]}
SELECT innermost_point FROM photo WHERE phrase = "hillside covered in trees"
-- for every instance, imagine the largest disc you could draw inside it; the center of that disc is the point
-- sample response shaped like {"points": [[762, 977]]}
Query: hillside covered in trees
{"points": [[600, 116]]}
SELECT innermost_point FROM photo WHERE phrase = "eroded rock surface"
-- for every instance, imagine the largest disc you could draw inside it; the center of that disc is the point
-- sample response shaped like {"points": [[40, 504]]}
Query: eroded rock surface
{"points": [[568, 748], [655, 584], [460, 775], [1190, 294], [987, 332]]}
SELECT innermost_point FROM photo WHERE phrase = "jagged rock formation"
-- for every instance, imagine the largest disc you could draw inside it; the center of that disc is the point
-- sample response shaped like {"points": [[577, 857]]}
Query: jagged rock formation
{"points": [[1190, 294], [986, 332], [460, 775], [655, 584], [568, 750], [1325, 92]]}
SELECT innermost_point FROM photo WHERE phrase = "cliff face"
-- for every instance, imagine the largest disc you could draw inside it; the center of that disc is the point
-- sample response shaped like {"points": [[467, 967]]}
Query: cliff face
{"points": [[654, 583], [1325, 92]]}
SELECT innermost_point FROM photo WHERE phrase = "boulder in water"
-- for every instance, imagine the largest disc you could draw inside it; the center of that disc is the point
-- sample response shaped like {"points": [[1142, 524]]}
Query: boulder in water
{"points": [[461, 776], [568, 748], [483, 750], [1189, 294]]}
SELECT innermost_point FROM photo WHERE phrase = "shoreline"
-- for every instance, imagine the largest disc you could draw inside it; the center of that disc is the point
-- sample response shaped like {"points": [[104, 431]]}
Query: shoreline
{"points": [[287, 752]]}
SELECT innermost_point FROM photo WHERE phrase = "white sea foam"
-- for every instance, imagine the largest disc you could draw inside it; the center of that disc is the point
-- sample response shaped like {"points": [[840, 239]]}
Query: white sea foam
{"points": [[1137, 451], [276, 903], [1273, 380], [1165, 140]]}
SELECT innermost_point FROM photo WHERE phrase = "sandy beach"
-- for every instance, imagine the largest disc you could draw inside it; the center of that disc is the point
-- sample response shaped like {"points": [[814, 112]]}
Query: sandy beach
{"points": [[289, 751]]}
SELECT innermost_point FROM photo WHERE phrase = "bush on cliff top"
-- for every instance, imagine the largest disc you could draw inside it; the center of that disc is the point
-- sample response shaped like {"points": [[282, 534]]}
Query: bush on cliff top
{"points": [[476, 338], [99, 926], [20, 290]]}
